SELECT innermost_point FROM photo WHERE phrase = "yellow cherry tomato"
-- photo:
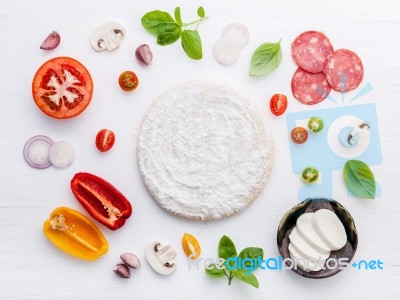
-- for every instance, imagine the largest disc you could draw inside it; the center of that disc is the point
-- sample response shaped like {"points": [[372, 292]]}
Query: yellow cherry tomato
{"points": [[191, 246], [75, 234]]}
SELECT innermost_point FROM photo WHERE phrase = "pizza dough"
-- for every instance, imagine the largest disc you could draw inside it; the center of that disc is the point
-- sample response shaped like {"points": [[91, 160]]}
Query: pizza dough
{"points": [[204, 151]]}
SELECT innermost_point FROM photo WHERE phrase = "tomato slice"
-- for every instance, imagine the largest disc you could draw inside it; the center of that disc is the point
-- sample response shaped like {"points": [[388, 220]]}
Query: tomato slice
{"points": [[101, 199], [105, 140], [278, 104], [299, 135], [128, 81], [62, 88]]}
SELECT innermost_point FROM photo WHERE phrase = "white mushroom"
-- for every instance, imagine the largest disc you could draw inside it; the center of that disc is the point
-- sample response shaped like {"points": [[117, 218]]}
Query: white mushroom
{"points": [[107, 37], [161, 258]]}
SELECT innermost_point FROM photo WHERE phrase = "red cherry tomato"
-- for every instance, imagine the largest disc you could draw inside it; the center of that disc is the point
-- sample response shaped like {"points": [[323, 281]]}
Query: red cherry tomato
{"points": [[128, 81], [299, 135], [62, 88], [105, 140], [278, 104]]}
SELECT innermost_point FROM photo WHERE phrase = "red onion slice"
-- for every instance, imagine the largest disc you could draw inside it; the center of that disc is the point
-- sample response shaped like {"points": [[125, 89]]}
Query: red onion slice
{"points": [[36, 151], [239, 32]]}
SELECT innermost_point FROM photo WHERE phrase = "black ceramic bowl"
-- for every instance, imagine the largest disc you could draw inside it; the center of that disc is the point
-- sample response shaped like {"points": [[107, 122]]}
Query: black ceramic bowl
{"points": [[311, 205]]}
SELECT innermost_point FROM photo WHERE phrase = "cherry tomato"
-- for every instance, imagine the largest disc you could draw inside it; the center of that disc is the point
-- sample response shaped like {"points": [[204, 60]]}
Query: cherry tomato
{"points": [[299, 135], [278, 104], [105, 140], [310, 175], [62, 88], [128, 81]]}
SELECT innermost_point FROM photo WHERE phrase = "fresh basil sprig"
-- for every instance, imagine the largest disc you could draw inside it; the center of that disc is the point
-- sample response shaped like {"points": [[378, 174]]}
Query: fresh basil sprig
{"points": [[359, 179], [227, 250], [168, 30], [266, 58]]}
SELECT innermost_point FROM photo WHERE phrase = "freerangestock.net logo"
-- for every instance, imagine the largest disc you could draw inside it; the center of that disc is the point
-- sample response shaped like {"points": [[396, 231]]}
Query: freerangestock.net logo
{"points": [[280, 264]]}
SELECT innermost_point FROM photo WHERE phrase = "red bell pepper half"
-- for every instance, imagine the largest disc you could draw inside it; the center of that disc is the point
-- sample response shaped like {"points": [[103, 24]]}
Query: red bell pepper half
{"points": [[101, 199]]}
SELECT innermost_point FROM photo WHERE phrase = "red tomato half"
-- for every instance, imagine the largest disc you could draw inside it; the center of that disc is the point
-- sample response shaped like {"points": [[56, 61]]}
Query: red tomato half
{"points": [[278, 104], [299, 135], [62, 88], [128, 81], [105, 140]]}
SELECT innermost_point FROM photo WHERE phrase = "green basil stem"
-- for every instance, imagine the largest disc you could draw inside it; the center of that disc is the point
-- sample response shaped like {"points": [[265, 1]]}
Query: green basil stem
{"points": [[230, 278], [194, 22]]}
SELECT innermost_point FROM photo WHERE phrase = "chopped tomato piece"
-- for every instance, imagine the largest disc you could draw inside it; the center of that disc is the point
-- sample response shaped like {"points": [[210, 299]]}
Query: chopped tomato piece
{"points": [[278, 104], [299, 135], [128, 81], [105, 140]]}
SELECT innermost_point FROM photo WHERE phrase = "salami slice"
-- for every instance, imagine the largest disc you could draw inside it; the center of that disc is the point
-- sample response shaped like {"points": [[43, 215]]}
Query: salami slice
{"points": [[309, 88], [310, 50], [344, 70]]}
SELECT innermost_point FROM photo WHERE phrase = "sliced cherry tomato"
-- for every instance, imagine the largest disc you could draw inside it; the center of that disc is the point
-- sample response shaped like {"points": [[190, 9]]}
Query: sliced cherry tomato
{"points": [[299, 135], [101, 199], [62, 88], [105, 140], [310, 175], [75, 234], [128, 81], [278, 104], [191, 246]]}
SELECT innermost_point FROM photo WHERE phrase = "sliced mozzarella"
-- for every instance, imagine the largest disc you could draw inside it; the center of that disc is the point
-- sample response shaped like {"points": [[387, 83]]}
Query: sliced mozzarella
{"points": [[62, 154], [303, 263], [329, 228], [297, 258], [226, 50], [308, 233], [304, 248], [239, 32]]}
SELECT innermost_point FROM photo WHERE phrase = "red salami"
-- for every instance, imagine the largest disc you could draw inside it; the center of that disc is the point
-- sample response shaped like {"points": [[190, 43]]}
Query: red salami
{"points": [[344, 70], [309, 88], [310, 50]]}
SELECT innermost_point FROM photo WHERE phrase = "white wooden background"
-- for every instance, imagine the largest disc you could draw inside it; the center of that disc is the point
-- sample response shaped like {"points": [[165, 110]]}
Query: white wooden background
{"points": [[32, 268]]}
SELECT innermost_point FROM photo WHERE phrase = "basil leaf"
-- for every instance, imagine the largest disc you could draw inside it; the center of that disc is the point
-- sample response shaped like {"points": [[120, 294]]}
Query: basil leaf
{"points": [[252, 253], [152, 20], [191, 43], [359, 179], [249, 279], [266, 59], [200, 12], [212, 271], [178, 17], [226, 248], [168, 33]]}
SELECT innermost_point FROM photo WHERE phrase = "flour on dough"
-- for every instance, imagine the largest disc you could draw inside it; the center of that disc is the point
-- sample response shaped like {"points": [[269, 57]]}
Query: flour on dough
{"points": [[204, 151]]}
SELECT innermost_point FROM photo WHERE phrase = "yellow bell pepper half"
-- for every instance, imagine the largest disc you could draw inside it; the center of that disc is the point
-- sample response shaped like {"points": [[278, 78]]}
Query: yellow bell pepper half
{"points": [[75, 234]]}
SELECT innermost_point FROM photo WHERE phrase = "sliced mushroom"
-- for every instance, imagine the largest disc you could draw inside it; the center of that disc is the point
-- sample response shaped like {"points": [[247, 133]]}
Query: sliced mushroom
{"points": [[161, 257], [107, 37]]}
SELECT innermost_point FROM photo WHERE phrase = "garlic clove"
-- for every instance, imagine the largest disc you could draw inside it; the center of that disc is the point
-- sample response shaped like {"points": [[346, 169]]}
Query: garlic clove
{"points": [[51, 42], [144, 55], [131, 260], [122, 271]]}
